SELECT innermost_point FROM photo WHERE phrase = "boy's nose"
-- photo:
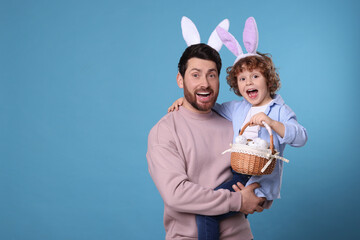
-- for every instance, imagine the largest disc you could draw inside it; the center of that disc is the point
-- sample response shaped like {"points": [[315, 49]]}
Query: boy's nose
{"points": [[248, 81]]}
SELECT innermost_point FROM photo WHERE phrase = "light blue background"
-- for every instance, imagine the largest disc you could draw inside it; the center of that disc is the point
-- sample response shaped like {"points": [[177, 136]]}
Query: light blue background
{"points": [[83, 82]]}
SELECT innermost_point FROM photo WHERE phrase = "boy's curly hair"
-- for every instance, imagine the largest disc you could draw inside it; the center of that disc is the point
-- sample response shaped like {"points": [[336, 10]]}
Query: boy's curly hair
{"points": [[263, 63]]}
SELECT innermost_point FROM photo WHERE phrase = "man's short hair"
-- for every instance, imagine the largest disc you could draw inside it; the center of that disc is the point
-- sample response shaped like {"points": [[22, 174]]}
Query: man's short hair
{"points": [[201, 51]]}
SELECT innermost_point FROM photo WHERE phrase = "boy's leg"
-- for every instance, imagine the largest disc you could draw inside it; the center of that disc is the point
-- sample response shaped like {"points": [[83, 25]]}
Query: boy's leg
{"points": [[208, 226], [237, 177]]}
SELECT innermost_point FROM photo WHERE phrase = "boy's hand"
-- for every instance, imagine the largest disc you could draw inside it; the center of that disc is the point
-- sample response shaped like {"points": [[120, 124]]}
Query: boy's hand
{"points": [[278, 127], [249, 201], [176, 104], [258, 118]]}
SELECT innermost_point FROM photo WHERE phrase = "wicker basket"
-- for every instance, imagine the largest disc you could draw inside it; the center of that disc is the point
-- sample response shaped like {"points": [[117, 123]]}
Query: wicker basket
{"points": [[251, 164]]}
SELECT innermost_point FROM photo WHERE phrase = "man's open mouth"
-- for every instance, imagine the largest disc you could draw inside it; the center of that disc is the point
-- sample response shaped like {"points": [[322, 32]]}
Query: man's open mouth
{"points": [[252, 93], [203, 96]]}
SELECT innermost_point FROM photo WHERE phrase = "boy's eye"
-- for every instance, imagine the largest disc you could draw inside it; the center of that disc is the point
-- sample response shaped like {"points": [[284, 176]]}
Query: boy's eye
{"points": [[256, 76], [241, 79]]}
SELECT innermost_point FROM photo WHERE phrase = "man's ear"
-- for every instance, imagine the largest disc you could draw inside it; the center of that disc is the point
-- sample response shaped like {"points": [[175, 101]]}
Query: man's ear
{"points": [[180, 80]]}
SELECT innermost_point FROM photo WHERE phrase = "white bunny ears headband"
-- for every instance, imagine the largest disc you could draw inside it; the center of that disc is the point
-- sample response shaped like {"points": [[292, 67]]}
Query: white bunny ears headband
{"points": [[192, 36], [250, 39]]}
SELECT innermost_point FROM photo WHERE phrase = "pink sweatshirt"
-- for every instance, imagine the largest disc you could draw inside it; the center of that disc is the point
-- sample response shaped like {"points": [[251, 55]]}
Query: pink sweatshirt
{"points": [[185, 162]]}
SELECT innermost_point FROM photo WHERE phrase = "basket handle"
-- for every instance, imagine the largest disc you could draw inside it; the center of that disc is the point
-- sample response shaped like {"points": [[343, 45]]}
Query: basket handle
{"points": [[268, 128]]}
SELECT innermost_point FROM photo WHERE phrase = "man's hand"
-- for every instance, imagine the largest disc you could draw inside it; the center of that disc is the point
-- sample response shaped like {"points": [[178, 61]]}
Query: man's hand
{"points": [[249, 201]]}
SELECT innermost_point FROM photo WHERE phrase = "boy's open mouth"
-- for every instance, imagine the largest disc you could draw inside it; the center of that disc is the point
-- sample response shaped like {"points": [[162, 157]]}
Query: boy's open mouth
{"points": [[252, 93]]}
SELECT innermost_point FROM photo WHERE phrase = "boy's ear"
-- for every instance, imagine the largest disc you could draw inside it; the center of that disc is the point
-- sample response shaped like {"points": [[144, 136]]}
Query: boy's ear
{"points": [[180, 80]]}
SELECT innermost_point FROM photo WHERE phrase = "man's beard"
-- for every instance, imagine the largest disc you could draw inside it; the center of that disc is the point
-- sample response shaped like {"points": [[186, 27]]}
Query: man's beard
{"points": [[191, 98]]}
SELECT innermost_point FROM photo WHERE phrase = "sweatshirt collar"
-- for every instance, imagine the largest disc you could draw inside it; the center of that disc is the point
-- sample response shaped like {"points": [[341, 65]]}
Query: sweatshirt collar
{"points": [[200, 116]]}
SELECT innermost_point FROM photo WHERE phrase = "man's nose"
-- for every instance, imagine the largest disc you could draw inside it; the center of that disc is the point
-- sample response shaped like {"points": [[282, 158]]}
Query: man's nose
{"points": [[204, 81]]}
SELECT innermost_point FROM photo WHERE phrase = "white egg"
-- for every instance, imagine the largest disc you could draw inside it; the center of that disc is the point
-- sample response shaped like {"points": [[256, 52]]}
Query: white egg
{"points": [[252, 144], [260, 143], [240, 139]]}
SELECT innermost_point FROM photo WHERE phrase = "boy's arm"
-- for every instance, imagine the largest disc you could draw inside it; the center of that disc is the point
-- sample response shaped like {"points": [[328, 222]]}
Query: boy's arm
{"points": [[225, 109], [295, 134], [288, 128]]}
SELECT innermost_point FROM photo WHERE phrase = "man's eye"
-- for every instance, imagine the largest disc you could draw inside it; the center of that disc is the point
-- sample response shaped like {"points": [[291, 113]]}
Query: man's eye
{"points": [[195, 75]]}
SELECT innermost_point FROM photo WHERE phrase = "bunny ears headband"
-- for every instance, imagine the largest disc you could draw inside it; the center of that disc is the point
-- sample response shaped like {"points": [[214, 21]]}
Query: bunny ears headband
{"points": [[192, 36], [250, 39], [221, 36]]}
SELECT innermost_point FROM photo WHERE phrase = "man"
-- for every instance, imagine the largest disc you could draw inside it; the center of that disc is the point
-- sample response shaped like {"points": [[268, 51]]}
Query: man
{"points": [[185, 160]]}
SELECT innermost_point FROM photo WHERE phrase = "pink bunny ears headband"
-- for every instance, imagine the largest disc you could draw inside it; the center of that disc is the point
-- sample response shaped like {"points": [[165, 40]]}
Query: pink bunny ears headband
{"points": [[221, 36], [192, 36], [250, 39]]}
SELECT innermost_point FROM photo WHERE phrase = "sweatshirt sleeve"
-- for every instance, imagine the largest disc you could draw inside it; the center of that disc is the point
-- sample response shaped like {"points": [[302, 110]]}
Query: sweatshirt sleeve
{"points": [[295, 134], [168, 170]]}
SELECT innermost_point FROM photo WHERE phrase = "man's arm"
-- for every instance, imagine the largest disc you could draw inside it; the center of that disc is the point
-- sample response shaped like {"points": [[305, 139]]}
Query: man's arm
{"points": [[168, 171]]}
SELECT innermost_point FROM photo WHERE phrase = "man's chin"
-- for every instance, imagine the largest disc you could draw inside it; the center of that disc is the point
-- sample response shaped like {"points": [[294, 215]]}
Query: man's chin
{"points": [[204, 106]]}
